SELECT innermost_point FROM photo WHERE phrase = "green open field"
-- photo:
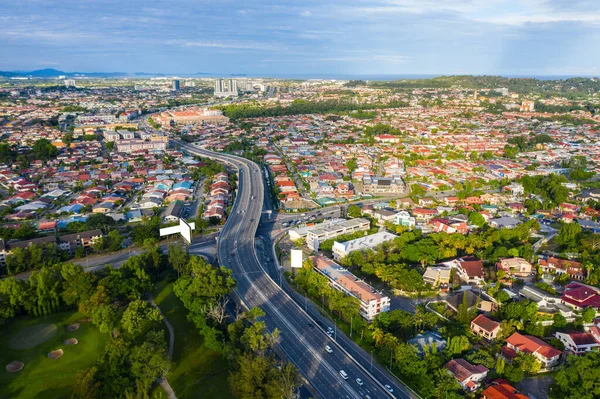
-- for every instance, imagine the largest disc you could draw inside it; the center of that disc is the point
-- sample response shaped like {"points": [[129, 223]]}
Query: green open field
{"points": [[43, 377], [196, 372]]}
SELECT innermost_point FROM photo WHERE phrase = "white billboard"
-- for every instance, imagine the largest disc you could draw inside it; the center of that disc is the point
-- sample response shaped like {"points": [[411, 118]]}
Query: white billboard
{"points": [[184, 228], [296, 258]]}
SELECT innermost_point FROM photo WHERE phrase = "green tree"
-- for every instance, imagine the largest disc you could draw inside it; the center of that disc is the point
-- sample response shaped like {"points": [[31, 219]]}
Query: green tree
{"points": [[476, 219], [115, 241], [137, 316], [86, 386], [567, 235], [149, 360], [588, 314], [44, 150], [462, 314], [78, 285], [179, 258], [500, 365], [351, 165], [354, 211], [580, 378], [417, 190]]}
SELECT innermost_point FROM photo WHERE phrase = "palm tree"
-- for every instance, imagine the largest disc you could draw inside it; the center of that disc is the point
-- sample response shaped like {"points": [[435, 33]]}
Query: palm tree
{"points": [[377, 334]]}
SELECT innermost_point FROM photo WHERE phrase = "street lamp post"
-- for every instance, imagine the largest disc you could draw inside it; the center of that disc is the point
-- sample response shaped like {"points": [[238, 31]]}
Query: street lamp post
{"points": [[351, 319], [335, 332], [371, 359]]}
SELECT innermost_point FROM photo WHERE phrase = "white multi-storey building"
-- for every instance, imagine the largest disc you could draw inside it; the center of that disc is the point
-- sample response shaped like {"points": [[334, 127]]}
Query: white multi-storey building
{"points": [[342, 249], [371, 302], [319, 233], [226, 88]]}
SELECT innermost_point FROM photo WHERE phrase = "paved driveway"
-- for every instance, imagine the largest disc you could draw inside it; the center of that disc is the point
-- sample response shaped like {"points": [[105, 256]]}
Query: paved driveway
{"points": [[536, 387]]}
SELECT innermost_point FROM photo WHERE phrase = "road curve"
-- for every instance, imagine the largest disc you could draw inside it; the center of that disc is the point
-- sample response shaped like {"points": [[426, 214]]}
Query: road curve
{"points": [[301, 340]]}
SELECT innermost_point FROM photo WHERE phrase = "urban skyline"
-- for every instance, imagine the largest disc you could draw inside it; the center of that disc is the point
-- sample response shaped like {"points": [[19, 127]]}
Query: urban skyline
{"points": [[389, 37]]}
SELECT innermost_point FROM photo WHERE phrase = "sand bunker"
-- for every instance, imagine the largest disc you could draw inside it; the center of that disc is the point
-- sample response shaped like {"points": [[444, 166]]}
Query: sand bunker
{"points": [[15, 366], [71, 341], [55, 354], [33, 336], [73, 327]]}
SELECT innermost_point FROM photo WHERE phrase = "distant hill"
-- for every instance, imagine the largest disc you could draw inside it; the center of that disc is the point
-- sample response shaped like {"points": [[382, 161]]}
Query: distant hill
{"points": [[54, 73]]}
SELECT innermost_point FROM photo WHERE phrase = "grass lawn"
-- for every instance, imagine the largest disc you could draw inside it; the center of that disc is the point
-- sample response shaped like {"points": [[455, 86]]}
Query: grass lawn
{"points": [[195, 370], [43, 377]]}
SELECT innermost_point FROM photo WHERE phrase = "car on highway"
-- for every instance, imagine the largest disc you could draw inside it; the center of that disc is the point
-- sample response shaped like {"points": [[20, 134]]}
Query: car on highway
{"points": [[359, 382], [328, 349], [343, 374], [389, 388]]}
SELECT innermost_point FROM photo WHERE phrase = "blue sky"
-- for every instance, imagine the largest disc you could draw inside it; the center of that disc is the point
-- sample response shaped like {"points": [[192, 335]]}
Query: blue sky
{"points": [[527, 37]]}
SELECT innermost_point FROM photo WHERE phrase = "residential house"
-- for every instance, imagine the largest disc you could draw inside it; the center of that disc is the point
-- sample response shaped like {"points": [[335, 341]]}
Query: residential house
{"points": [[480, 301], [561, 266], [469, 376], [383, 215], [383, 185], [173, 211], [85, 239], [103, 207], [405, 203], [505, 222], [423, 214], [437, 276], [545, 353], [581, 296], [501, 389], [517, 267], [404, 219], [469, 269], [578, 342], [547, 304], [485, 327]]}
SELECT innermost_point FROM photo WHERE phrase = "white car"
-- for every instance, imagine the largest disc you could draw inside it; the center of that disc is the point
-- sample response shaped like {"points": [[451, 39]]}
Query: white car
{"points": [[389, 388], [359, 382], [343, 374], [328, 349]]}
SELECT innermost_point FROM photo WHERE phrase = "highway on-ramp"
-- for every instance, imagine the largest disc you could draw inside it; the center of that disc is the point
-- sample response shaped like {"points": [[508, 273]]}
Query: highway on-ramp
{"points": [[301, 340]]}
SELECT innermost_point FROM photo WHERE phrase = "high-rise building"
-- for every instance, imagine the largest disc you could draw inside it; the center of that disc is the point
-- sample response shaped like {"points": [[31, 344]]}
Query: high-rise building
{"points": [[226, 88], [70, 82], [528, 106], [176, 85]]}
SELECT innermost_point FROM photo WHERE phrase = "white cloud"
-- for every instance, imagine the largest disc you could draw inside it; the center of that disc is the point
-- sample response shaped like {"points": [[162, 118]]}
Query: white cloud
{"points": [[542, 18], [227, 44]]}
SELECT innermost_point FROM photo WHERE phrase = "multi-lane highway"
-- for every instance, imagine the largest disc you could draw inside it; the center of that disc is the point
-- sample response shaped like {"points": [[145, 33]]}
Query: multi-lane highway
{"points": [[301, 339]]}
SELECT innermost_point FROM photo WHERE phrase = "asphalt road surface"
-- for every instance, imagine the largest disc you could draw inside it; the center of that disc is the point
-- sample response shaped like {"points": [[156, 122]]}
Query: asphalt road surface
{"points": [[301, 340]]}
